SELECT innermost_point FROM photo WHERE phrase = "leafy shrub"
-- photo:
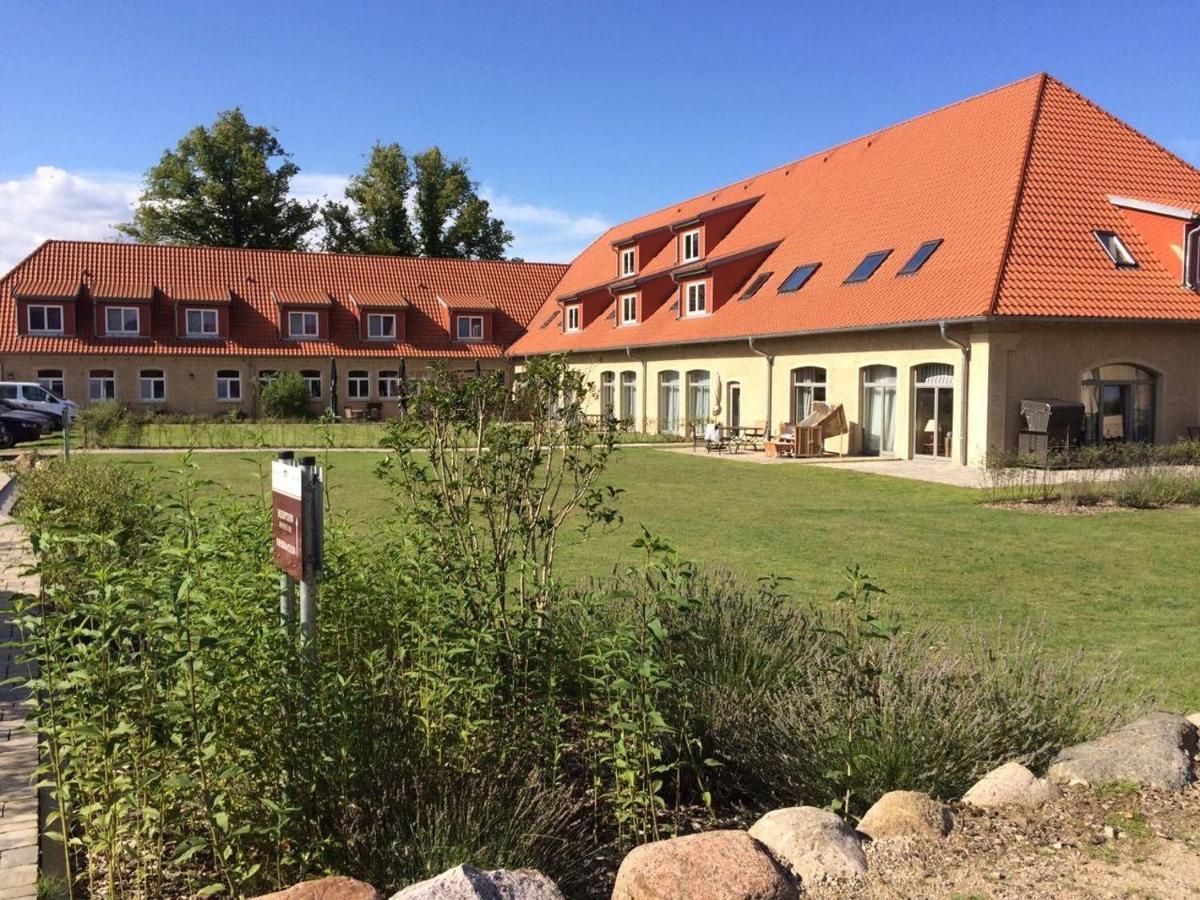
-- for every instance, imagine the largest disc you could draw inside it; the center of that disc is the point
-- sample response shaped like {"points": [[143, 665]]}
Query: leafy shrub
{"points": [[103, 421], [284, 396]]}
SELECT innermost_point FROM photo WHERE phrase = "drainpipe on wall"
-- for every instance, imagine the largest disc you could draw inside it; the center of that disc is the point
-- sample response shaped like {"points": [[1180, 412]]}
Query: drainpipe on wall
{"points": [[645, 386], [966, 384], [770, 380], [1191, 256]]}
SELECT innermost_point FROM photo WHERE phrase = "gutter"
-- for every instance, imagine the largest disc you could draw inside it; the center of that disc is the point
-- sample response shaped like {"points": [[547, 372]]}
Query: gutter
{"points": [[966, 385], [770, 380]]}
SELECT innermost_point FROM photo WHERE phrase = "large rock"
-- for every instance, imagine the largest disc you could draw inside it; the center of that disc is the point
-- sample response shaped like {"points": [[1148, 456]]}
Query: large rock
{"points": [[1156, 751], [899, 814], [334, 888], [716, 865], [1011, 785], [813, 843], [469, 883]]}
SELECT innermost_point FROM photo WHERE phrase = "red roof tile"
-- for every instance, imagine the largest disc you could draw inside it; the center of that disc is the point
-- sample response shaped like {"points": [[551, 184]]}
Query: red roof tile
{"points": [[1013, 181], [206, 274]]}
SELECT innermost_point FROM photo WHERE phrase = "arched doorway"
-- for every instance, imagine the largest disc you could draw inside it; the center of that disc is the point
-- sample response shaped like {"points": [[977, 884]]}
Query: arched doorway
{"points": [[1118, 403], [879, 410], [668, 402], [933, 410]]}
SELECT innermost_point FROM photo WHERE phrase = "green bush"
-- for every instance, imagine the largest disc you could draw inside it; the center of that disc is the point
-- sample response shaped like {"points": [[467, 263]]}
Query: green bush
{"points": [[284, 396], [102, 421]]}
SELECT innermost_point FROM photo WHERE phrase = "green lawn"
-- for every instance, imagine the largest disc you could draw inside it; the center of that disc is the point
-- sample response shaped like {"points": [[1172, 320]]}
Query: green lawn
{"points": [[1116, 582]]}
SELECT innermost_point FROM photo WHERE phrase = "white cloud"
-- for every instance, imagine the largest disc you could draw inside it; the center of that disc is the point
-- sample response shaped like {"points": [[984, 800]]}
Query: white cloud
{"points": [[54, 203], [544, 233]]}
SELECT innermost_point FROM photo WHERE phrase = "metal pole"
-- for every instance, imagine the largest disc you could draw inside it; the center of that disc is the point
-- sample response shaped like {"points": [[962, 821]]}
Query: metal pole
{"points": [[312, 525], [66, 422]]}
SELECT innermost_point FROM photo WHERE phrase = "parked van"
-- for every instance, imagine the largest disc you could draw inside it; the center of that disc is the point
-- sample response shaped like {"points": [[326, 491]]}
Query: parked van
{"points": [[31, 395]]}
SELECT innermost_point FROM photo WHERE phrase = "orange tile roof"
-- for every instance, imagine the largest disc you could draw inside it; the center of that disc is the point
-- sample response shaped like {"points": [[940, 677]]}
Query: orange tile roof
{"points": [[1013, 181], [254, 277]]}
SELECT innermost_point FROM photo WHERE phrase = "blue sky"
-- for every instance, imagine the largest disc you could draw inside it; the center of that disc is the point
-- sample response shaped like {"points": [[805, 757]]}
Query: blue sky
{"points": [[573, 115]]}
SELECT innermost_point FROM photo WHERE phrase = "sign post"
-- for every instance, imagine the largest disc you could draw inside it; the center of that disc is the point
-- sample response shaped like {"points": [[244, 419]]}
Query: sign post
{"points": [[298, 533]]}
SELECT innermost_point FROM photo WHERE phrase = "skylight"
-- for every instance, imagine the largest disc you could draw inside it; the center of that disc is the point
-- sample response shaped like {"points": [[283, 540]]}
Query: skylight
{"points": [[867, 267], [798, 278], [920, 257], [755, 285], [1116, 249]]}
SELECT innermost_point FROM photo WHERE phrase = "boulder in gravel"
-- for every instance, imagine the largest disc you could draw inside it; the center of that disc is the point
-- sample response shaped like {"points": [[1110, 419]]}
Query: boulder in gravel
{"points": [[715, 865], [814, 843], [899, 814], [469, 883], [1011, 785], [1156, 751], [1194, 718], [333, 888]]}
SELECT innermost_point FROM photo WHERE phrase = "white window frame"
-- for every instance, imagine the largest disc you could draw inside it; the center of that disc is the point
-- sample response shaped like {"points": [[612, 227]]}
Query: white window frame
{"points": [[225, 380], [695, 298], [685, 239], [313, 379], [627, 262], [381, 317], [55, 384], [45, 310], [358, 384], [388, 384], [469, 322], [573, 317], [149, 381], [204, 315], [123, 331], [304, 315], [106, 383], [629, 313]]}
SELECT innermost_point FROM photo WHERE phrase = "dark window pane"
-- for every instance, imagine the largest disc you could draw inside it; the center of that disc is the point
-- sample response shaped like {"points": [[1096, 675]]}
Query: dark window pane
{"points": [[867, 267], [798, 278], [920, 257], [755, 285]]}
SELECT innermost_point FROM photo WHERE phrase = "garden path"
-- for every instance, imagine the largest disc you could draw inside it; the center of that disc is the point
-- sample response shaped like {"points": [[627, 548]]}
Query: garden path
{"points": [[18, 747]]}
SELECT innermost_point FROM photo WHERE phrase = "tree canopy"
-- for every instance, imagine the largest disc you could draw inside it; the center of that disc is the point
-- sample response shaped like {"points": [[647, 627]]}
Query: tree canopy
{"points": [[224, 186], [425, 205]]}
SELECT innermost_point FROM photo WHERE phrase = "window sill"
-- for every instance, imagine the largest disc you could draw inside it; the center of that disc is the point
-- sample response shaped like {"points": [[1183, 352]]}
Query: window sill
{"points": [[45, 334], [204, 337]]}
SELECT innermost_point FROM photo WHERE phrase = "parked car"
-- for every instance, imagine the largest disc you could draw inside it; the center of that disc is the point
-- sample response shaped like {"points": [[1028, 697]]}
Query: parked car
{"points": [[33, 396], [18, 427], [46, 422]]}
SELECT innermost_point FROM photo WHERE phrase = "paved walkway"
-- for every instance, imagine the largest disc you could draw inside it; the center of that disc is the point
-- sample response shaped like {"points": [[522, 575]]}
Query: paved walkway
{"points": [[18, 748]]}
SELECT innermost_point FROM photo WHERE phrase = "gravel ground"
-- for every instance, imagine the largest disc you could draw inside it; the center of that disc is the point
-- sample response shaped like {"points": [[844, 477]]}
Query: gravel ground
{"points": [[1112, 843]]}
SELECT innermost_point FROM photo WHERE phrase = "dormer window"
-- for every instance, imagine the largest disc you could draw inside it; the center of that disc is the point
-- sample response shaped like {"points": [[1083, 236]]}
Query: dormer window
{"points": [[629, 261], [202, 323], [122, 321], [1116, 249], [304, 324], [696, 299], [470, 328], [572, 319], [381, 326], [44, 319], [691, 245], [629, 309]]}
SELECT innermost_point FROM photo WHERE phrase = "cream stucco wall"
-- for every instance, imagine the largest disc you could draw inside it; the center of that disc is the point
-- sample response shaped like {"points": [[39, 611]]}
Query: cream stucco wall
{"points": [[1049, 359], [843, 356]]}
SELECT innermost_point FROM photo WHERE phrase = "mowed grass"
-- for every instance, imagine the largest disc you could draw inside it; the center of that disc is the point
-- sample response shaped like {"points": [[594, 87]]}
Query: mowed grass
{"points": [[1116, 583]]}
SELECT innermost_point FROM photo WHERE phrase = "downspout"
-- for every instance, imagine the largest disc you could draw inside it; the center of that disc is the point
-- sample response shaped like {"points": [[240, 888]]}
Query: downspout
{"points": [[645, 387], [1191, 255], [770, 379], [966, 386]]}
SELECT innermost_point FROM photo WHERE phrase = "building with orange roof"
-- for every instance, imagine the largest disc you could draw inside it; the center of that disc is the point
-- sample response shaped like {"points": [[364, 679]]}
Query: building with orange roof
{"points": [[928, 277], [197, 329]]}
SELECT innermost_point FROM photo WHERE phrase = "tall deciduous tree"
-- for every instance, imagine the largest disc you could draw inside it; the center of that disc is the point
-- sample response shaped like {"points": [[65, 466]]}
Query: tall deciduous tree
{"points": [[224, 186], [423, 206]]}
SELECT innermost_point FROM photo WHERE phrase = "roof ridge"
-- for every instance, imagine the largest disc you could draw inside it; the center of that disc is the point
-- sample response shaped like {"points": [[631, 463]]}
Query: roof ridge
{"points": [[271, 250], [833, 148], [1118, 120], [1019, 196]]}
